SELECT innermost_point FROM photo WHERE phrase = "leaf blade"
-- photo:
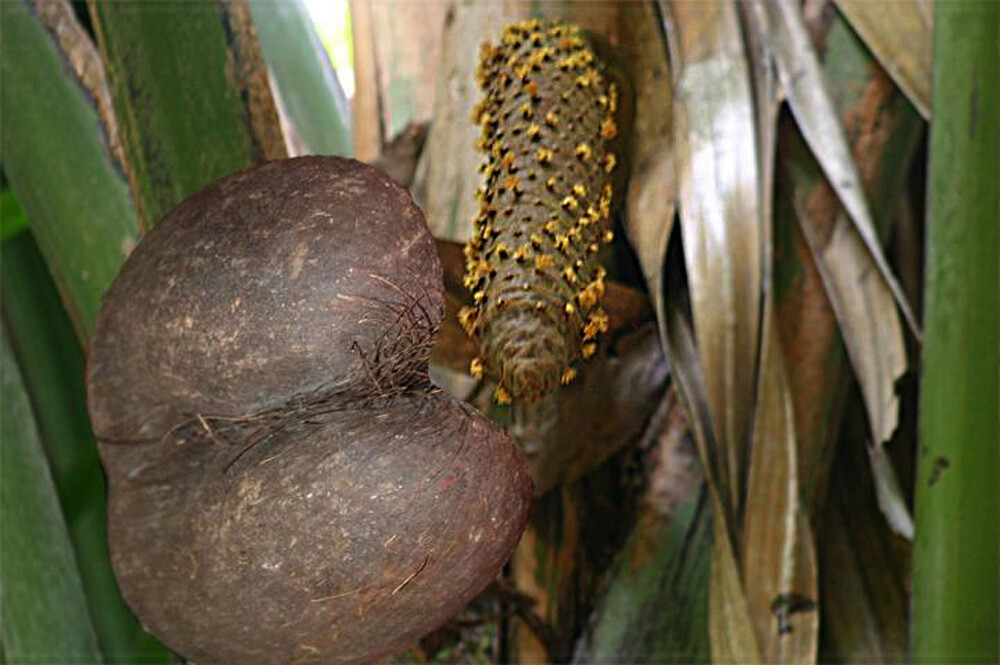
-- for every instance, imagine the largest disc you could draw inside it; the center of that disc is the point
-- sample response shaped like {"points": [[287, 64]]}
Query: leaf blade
{"points": [[191, 93], [779, 560], [51, 363], [901, 40], [720, 219], [730, 627], [40, 585], [809, 98], [59, 166], [306, 84], [883, 128]]}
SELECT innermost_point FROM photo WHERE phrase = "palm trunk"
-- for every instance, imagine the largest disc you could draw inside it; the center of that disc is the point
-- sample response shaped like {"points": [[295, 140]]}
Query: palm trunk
{"points": [[956, 586]]}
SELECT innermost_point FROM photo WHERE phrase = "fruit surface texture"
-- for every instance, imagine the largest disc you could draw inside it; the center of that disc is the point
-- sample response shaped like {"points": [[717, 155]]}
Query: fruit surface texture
{"points": [[285, 482]]}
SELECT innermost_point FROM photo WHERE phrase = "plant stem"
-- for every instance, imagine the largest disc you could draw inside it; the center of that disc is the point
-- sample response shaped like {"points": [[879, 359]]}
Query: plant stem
{"points": [[956, 587]]}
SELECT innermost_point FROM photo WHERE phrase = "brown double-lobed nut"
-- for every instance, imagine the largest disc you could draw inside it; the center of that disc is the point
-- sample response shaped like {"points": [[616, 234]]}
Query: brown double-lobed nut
{"points": [[285, 482]]}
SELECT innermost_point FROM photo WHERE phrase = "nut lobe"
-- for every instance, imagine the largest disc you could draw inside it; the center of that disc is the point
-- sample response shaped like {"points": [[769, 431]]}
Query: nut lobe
{"points": [[237, 300]]}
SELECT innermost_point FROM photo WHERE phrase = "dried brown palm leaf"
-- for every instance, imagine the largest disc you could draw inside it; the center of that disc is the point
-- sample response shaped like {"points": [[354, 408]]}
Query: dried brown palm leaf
{"points": [[755, 589], [899, 34], [810, 100], [761, 591], [874, 343], [778, 553], [818, 368], [768, 96], [652, 191], [731, 631], [860, 289], [864, 566], [397, 49], [651, 209], [778, 547], [720, 220]]}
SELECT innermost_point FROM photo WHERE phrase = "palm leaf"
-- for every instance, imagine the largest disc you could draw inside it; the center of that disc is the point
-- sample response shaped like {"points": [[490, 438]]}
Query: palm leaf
{"points": [[40, 585], [51, 363], [191, 93], [808, 95], [308, 92], [60, 154], [899, 35]]}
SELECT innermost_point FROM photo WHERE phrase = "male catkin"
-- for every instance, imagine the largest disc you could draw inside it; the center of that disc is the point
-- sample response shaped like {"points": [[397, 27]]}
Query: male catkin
{"points": [[547, 119]]}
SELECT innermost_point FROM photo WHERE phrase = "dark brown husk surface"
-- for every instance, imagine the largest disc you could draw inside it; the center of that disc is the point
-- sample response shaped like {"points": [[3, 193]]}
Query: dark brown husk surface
{"points": [[332, 540], [285, 484]]}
